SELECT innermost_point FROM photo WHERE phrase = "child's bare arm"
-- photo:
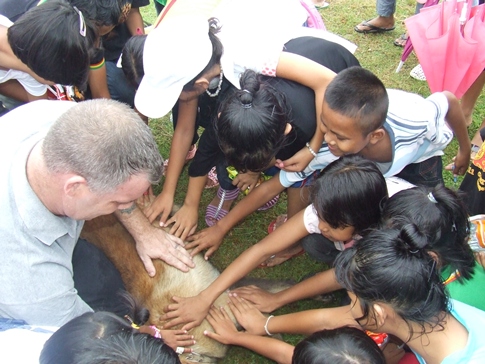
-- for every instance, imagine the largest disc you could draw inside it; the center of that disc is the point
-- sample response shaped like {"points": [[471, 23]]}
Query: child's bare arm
{"points": [[320, 283], [308, 322], [211, 238], [185, 220], [316, 77], [225, 332], [192, 310], [98, 83], [181, 141], [456, 120]]}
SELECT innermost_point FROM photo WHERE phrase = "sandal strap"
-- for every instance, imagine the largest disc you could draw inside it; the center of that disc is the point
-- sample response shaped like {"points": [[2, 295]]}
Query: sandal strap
{"points": [[227, 195]]}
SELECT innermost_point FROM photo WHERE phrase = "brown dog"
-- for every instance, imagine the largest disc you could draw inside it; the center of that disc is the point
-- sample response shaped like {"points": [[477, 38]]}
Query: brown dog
{"points": [[155, 293]]}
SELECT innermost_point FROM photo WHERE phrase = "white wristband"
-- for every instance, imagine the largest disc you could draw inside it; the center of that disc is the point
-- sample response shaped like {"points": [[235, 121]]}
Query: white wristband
{"points": [[311, 150], [266, 326]]}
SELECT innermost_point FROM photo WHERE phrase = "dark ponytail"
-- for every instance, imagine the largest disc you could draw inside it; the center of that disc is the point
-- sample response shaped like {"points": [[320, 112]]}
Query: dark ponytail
{"points": [[440, 214], [393, 266], [252, 123]]}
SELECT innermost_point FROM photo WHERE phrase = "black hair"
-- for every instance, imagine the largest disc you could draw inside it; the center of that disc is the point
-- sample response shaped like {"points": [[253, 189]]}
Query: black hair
{"points": [[441, 215], [217, 50], [74, 339], [350, 192], [132, 59], [359, 94], [251, 125], [344, 345], [392, 266], [128, 348], [102, 12], [76, 336], [47, 39]]}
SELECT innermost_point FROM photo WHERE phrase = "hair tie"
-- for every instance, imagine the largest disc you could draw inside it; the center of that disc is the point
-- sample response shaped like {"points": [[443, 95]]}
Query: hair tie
{"points": [[431, 198], [82, 24], [135, 326], [247, 91]]}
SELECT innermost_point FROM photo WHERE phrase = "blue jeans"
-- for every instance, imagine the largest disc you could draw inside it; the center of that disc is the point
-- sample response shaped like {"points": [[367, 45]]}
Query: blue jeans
{"points": [[119, 87], [386, 7]]}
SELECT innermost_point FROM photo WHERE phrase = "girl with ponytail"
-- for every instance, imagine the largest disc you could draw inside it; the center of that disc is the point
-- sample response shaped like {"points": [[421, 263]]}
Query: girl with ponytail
{"points": [[442, 216], [395, 287]]}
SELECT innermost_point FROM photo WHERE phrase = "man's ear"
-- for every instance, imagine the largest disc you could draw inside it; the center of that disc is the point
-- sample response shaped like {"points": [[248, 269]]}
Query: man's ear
{"points": [[74, 185], [377, 135], [380, 314], [288, 128]]}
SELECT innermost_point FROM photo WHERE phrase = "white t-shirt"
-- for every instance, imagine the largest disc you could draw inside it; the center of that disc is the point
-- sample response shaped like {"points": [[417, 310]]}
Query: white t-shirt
{"points": [[24, 344]]}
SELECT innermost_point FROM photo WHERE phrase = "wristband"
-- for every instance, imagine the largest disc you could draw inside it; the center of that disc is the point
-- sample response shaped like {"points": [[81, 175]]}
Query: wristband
{"points": [[266, 326], [157, 333], [311, 150]]}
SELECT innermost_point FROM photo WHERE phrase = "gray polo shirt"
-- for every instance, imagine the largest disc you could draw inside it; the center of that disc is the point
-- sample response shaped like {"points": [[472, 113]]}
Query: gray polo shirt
{"points": [[36, 276]]}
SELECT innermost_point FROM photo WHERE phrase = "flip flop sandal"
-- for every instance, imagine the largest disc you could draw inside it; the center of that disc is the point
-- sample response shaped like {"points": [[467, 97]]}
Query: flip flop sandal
{"points": [[270, 203], [212, 180], [280, 220], [401, 41], [265, 264], [372, 28], [190, 155], [215, 213]]}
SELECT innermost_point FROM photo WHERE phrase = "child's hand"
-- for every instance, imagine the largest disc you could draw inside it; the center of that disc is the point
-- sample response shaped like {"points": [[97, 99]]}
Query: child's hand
{"points": [[224, 328], [247, 315], [162, 206], [263, 300], [189, 311], [247, 180], [461, 162], [297, 163], [184, 222], [178, 338], [210, 238]]}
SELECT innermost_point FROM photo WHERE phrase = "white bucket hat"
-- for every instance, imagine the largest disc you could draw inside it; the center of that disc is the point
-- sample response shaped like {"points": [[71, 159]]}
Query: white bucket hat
{"points": [[174, 53]]}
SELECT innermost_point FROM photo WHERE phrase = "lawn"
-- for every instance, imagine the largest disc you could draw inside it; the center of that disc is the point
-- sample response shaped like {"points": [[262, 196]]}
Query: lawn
{"points": [[375, 52]]}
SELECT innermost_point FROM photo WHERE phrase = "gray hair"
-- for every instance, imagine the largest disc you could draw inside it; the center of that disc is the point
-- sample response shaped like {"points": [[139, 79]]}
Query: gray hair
{"points": [[103, 141]]}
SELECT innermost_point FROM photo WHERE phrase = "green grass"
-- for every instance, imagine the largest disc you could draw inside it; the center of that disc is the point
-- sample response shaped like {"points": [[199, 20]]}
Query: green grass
{"points": [[375, 52]]}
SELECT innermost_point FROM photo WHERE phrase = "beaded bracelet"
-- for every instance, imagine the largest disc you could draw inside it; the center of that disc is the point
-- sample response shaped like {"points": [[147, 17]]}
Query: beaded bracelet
{"points": [[311, 150]]}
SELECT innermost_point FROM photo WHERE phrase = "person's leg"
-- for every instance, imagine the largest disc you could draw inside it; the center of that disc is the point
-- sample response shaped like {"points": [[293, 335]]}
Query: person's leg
{"points": [[427, 173], [297, 200], [384, 20], [97, 280], [320, 248], [470, 97], [119, 87]]}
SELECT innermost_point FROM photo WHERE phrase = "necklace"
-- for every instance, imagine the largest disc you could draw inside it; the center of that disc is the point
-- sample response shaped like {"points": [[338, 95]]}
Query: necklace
{"points": [[219, 86]]}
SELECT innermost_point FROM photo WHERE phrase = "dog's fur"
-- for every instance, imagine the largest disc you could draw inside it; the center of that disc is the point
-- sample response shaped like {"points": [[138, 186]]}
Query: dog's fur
{"points": [[156, 293]]}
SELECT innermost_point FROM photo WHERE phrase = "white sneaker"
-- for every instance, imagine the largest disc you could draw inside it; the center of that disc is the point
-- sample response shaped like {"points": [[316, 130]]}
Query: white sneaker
{"points": [[417, 73]]}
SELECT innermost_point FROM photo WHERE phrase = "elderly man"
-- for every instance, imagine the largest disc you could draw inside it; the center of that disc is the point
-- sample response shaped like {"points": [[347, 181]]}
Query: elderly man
{"points": [[63, 163]]}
